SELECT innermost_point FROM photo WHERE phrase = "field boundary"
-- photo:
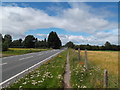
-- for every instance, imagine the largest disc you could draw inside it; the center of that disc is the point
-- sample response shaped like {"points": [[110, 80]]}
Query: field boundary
{"points": [[106, 78]]}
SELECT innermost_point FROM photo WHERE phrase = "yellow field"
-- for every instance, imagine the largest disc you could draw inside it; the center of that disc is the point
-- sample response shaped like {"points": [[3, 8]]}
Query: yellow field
{"points": [[104, 60], [26, 49]]}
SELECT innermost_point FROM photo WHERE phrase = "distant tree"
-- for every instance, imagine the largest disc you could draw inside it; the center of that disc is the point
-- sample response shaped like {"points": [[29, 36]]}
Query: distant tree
{"points": [[17, 43], [70, 44], [45, 40], [5, 46], [8, 39], [54, 41], [108, 46], [29, 41], [1, 37]]}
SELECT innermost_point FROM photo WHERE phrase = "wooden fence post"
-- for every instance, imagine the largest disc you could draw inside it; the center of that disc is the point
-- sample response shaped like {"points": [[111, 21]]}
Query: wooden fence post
{"points": [[86, 61], [79, 54], [105, 78]]}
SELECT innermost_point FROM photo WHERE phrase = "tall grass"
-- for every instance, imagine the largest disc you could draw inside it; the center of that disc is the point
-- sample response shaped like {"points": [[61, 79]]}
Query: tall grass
{"points": [[104, 60], [93, 77]]}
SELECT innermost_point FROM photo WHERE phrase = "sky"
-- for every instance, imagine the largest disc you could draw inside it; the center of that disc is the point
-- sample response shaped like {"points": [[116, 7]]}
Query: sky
{"points": [[80, 22]]}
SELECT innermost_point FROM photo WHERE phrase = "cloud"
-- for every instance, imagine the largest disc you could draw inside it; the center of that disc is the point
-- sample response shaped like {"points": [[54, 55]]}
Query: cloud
{"points": [[79, 18], [43, 35], [95, 39], [73, 19]]}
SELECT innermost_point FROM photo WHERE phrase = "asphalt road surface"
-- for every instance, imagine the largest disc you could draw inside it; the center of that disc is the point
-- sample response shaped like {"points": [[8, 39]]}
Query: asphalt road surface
{"points": [[15, 64]]}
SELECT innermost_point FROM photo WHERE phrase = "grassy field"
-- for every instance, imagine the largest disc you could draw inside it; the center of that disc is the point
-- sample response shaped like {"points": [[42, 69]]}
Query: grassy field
{"points": [[97, 61], [104, 60], [48, 75], [19, 51]]}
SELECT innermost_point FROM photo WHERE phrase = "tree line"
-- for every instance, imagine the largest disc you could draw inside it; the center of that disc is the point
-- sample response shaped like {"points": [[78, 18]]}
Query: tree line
{"points": [[30, 41], [52, 41], [106, 46]]}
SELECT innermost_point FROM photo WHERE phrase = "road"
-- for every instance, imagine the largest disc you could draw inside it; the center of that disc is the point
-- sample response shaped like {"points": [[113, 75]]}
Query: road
{"points": [[15, 64]]}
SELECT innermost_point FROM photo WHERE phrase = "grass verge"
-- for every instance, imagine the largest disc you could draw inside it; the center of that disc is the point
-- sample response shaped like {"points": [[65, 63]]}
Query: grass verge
{"points": [[93, 78], [48, 75]]}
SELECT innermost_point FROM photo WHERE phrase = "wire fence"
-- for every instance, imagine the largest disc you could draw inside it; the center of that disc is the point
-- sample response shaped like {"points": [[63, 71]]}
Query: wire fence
{"points": [[106, 81]]}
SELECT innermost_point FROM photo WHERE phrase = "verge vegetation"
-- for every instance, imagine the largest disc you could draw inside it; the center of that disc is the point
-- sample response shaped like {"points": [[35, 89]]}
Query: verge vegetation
{"points": [[48, 75], [93, 77]]}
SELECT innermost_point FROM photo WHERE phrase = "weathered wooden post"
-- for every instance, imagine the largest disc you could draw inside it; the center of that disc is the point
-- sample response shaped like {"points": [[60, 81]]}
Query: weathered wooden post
{"points": [[105, 78], [79, 54], [86, 61]]}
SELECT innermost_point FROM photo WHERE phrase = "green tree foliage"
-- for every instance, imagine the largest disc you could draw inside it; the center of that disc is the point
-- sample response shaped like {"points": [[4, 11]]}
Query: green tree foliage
{"points": [[41, 44], [1, 39], [54, 41], [108, 46], [8, 39], [29, 41], [17, 43], [70, 44], [5, 46]]}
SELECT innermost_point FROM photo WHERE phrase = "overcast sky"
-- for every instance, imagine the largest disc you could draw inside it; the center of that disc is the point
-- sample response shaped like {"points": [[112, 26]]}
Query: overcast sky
{"points": [[82, 23]]}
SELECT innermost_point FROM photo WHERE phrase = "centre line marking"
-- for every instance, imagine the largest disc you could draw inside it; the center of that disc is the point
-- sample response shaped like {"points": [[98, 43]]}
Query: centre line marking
{"points": [[3, 63], [25, 58]]}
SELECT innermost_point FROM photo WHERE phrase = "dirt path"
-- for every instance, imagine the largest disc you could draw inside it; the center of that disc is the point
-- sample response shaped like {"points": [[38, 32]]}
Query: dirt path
{"points": [[67, 74]]}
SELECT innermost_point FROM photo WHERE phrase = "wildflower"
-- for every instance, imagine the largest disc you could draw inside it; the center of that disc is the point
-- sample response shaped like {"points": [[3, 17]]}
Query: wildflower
{"points": [[20, 86], [38, 75], [33, 83], [59, 76], [26, 78], [83, 69], [78, 86], [39, 81], [84, 87], [81, 80], [25, 83], [90, 73], [82, 74]]}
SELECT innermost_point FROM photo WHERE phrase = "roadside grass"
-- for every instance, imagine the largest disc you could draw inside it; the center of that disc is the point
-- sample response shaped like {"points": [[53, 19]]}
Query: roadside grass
{"points": [[19, 51], [93, 77], [48, 75]]}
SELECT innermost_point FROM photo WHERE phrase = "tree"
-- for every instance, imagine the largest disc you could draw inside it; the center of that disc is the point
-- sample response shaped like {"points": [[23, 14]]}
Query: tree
{"points": [[5, 46], [1, 37], [8, 39], [29, 41], [108, 46], [54, 41], [17, 43], [70, 44]]}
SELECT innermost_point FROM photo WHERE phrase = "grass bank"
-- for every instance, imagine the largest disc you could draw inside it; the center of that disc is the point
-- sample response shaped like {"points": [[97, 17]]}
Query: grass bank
{"points": [[19, 51], [48, 75], [97, 62]]}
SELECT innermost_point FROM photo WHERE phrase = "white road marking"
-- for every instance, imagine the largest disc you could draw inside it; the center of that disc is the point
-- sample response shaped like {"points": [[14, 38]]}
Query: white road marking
{"points": [[39, 54], [25, 58], [3, 63]]}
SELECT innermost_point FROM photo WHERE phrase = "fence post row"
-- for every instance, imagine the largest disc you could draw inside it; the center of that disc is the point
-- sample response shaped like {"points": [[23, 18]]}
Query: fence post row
{"points": [[78, 53], [86, 61], [105, 78]]}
